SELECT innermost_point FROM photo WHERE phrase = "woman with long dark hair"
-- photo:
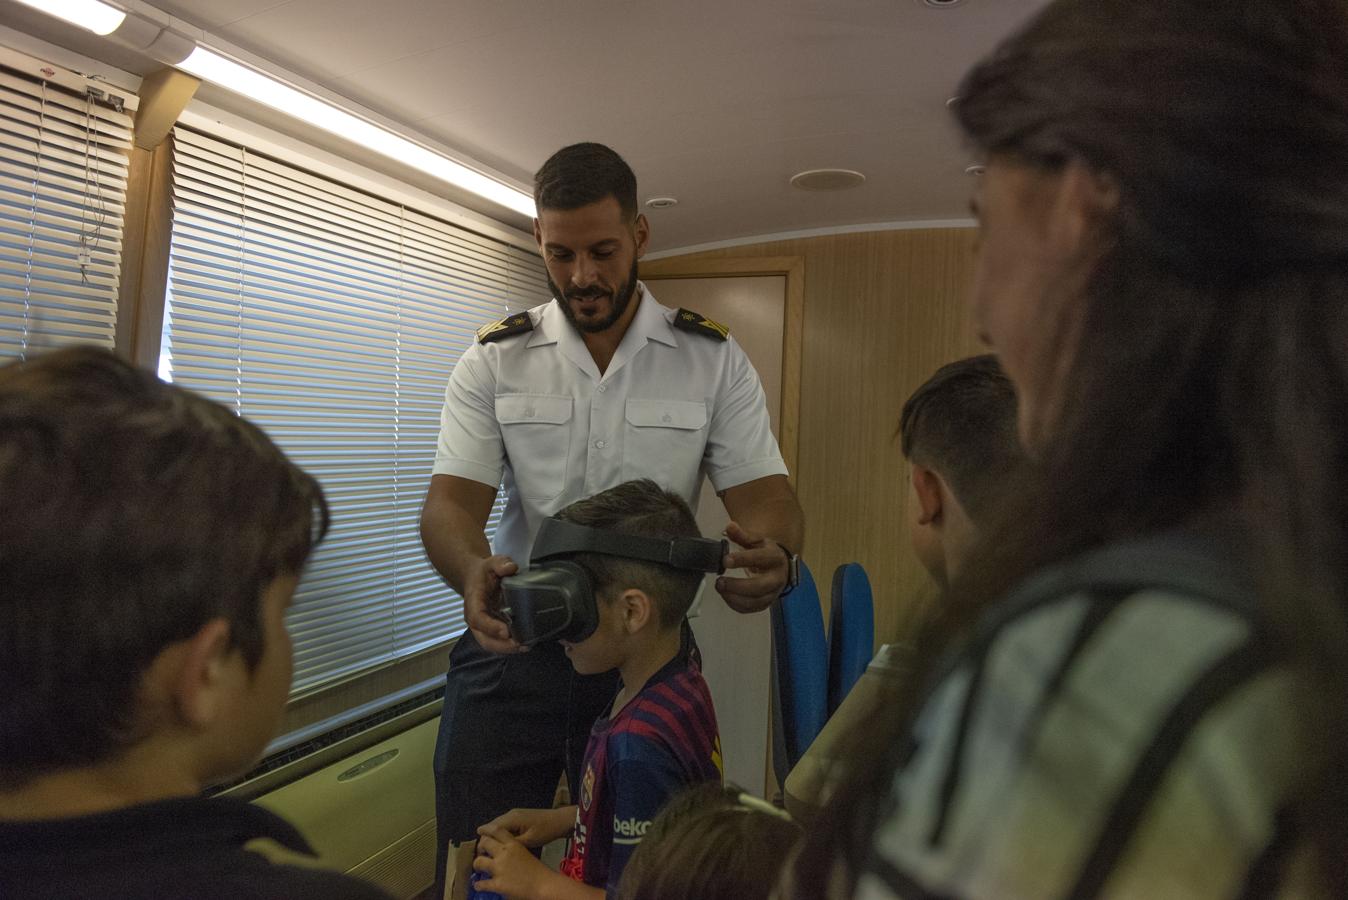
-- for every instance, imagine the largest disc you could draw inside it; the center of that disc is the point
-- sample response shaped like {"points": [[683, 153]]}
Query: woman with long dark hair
{"points": [[1141, 689]]}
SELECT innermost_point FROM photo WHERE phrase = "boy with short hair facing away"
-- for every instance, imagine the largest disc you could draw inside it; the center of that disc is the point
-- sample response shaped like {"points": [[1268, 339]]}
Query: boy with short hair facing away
{"points": [[660, 734], [151, 545], [959, 432]]}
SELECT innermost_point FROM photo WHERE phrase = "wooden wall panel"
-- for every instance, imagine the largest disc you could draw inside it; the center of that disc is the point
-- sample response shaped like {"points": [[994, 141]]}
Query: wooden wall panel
{"points": [[882, 311]]}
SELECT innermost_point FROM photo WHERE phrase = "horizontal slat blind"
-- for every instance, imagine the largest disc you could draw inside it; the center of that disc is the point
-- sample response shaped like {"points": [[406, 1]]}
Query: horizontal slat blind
{"points": [[332, 319], [63, 170]]}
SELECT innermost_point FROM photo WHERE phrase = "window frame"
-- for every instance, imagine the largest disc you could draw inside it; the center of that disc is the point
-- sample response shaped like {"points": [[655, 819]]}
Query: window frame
{"points": [[336, 703]]}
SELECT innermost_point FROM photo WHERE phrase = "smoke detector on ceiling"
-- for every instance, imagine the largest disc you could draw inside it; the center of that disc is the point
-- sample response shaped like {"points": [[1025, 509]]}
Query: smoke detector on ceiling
{"points": [[827, 179], [662, 202]]}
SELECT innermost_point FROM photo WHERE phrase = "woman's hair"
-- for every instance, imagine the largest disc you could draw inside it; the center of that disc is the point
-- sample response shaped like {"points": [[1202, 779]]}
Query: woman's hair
{"points": [[711, 842], [1211, 372]]}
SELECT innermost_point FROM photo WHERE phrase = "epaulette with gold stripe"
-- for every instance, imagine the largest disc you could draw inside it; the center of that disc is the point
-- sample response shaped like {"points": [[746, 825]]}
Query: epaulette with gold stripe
{"points": [[687, 320], [516, 324]]}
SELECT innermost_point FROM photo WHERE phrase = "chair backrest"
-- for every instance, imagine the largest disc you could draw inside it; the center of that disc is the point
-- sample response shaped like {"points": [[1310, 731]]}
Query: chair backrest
{"points": [[800, 673], [851, 631]]}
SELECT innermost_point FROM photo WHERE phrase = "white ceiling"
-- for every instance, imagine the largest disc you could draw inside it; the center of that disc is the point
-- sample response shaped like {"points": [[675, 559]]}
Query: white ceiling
{"points": [[715, 102]]}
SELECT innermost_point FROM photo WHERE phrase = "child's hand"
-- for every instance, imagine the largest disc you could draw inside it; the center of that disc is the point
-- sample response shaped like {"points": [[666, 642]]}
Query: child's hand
{"points": [[534, 827], [511, 869]]}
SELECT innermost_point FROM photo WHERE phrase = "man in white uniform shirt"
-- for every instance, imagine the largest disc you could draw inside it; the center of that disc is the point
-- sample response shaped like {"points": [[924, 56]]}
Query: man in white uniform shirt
{"points": [[599, 386]]}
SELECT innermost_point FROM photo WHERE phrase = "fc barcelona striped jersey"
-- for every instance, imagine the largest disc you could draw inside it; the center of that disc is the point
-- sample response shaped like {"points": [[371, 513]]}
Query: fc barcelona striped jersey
{"points": [[663, 740]]}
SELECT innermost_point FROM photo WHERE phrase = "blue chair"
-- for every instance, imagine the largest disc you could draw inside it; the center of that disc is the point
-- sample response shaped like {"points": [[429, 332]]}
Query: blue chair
{"points": [[799, 674], [851, 631]]}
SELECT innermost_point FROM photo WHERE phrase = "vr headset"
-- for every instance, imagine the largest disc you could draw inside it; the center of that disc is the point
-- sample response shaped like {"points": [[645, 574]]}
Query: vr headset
{"points": [[554, 600]]}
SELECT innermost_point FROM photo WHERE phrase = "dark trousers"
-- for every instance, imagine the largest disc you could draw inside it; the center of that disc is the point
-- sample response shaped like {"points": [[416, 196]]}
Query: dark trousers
{"points": [[510, 726]]}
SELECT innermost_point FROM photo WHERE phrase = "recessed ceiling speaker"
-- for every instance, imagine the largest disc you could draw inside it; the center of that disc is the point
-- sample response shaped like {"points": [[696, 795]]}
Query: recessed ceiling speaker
{"points": [[827, 179]]}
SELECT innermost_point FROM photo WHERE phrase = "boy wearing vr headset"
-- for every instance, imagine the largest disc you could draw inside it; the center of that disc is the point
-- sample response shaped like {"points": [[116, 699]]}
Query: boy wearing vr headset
{"points": [[612, 577]]}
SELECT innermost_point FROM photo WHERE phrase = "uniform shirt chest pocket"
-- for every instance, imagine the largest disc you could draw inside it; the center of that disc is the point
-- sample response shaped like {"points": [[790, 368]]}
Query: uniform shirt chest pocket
{"points": [[536, 429], [664, 441]]}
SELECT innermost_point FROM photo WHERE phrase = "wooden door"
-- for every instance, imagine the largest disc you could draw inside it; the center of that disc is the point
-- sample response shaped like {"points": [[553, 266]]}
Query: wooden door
{"points": [[736, 649]]}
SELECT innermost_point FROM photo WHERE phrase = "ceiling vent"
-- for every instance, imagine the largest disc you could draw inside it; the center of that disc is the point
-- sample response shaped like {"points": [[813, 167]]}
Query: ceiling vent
{"points": [[827, 179]]}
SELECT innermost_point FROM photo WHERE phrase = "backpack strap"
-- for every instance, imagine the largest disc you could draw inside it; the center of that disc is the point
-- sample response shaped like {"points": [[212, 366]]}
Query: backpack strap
{"points": [[1194, 564]]}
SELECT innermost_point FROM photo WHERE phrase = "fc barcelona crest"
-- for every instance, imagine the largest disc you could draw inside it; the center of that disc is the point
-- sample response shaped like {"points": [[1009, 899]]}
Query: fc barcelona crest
{"points": [[587, 788]]}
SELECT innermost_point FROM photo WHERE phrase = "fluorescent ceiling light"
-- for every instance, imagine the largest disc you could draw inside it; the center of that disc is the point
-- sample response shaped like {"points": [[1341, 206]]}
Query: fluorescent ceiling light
{"points": [[217, 69], [100, 18]]}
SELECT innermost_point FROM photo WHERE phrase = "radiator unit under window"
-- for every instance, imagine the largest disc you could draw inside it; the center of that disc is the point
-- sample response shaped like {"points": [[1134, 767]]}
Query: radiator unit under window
{"points": [[370, 813]]}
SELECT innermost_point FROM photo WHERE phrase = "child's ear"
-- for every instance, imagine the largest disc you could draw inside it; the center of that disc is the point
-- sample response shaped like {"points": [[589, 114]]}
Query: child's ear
{"points": [[928, 488], [637, 609], [204, 674]]}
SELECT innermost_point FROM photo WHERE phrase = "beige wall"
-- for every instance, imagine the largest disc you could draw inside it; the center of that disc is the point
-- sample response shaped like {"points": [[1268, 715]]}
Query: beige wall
{"points": [[882, 311]]}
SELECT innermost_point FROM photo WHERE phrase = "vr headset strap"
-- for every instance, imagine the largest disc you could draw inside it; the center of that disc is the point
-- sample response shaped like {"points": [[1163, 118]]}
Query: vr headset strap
{"points": [[558, 538]]}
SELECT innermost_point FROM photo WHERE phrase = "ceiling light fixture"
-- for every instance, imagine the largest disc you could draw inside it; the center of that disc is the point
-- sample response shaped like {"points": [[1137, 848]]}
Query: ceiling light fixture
{"points": [[662, 202], [827, 179], [100, 18], [216, 68], [941, 4], [975, 169], [170, 47]]}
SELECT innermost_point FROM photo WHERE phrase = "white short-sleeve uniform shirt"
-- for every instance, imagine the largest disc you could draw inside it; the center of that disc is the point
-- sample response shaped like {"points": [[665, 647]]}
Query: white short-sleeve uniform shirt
{"points": [[531, 411]]}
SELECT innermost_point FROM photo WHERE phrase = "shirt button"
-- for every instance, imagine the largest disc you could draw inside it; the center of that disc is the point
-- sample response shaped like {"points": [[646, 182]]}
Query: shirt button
{"points": [[599, 445]]}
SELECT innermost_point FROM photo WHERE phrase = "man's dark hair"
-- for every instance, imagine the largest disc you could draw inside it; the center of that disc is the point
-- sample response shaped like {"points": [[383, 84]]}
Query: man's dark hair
{"points": [[961, 423], [582, 174], [640, 508], [135, 512]]}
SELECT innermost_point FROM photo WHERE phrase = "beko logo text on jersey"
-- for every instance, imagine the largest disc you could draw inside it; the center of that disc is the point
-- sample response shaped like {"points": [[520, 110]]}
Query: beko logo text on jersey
{"points": [[629, 831]]}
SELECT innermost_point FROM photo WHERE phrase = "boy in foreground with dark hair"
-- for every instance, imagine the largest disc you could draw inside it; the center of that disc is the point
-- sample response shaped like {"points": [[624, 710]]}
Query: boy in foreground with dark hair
{"points": [[958, 430], [151, 544], [660, 735]]}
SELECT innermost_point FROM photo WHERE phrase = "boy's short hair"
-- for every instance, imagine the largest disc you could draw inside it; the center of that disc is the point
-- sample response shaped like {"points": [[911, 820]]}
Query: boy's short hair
{"points": [[711, 842], [135, 512], [640, 508], [962, 423], [582, 174]]}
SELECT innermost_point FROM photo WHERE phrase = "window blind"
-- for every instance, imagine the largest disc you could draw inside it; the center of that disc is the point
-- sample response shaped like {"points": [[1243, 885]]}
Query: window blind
{"points": [[63, 171], [332, 319]]}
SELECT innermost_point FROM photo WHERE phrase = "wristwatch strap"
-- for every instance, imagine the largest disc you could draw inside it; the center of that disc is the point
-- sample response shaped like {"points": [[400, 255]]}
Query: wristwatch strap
{"points": [[792, 569]]}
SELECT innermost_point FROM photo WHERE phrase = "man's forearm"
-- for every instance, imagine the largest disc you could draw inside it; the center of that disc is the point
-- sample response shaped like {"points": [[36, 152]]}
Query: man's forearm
{"points": [[780, 519], [768, 507], [453, 536], [453, 546]]}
